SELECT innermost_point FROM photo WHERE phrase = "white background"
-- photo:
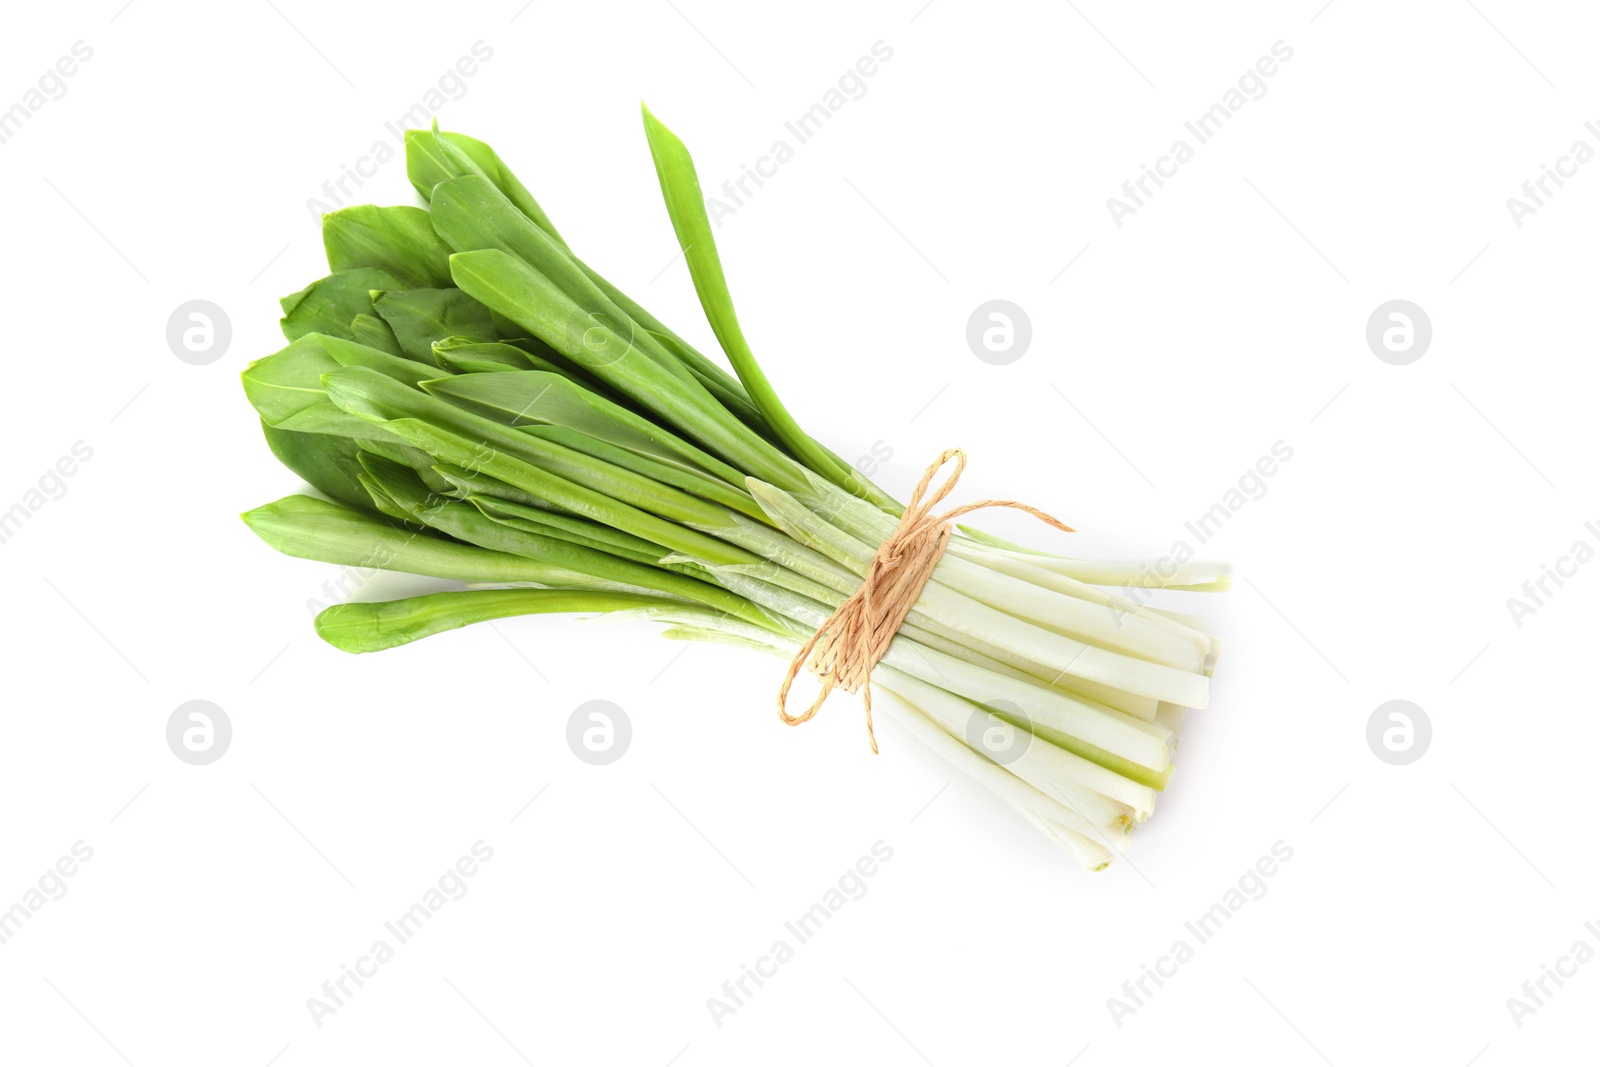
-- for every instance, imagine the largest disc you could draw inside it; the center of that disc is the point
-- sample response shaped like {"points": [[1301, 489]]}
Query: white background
{"points": [[1226, 315]]}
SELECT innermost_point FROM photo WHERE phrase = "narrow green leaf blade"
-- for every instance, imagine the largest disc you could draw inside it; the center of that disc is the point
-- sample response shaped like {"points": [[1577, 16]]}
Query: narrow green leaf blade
{"points": [[374, 627], [680, 187]]}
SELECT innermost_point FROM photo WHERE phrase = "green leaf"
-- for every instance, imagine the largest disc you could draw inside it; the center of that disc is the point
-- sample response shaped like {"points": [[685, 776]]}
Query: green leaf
{"points": [[289, 380], [372, 396], [286, 387], [329, 305], [727, 389], [433, 157], [468, 523], [508, 285], [570, 527], [435, 164], [518, 398], [467, 356], [354, 354], [477, 357], [419, 317], [430, 161], [492, 167], [471, 215], [329, 419], [680, 187], [327, 463], [308, 528], [399, 240], [601, 505], [374, 333], [374, 627], [667, 472], [475, 483]]}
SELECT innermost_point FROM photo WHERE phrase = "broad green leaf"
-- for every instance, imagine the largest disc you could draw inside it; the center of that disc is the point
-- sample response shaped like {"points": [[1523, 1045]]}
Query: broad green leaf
{"points": [[600, 505], [315, 529], [370, 395], [468, 523], [433, 157], [508, 285], [327, 463], [520, 397], [286, 387], [430, 161], [654, 558], [399, 240], [580, 531], [374, 333], [402, 484], [470, 483], [288, 380], [384, 503], [488, 165], [471, 215], [327, 418], [392, 448], [474, 357], [492, 167], [667, 472], [329, 305], [419, 317], [354, 354], [467, 356]]}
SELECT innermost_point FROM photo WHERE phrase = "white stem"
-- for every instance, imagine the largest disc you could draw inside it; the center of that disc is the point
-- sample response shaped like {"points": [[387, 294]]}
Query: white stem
{"points": [[1121, 735], [1034, 780], [998, 630], [1043, 662], [1040, 764], [1090, 692], [1131, 573], [1120, 607], [1021, 796], [849, 534]]}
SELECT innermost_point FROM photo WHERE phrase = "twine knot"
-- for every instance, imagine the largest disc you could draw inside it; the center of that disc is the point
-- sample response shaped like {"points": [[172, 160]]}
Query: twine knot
{"points": [[845, 648]]}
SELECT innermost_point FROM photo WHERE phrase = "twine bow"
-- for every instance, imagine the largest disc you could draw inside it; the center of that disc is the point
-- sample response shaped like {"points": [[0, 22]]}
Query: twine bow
{"points": [[846, 647]]}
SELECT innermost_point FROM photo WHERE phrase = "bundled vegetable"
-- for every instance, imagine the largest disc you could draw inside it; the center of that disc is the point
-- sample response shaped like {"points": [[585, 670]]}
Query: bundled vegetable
{"points": [[479, 405]]}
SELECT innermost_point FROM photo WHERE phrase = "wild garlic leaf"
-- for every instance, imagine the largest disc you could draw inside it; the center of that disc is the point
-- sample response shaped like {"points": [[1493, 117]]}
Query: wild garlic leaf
{"points": [[315, 529], [399, 240], [327, 463], [433, 157], [419, 317], [329, 305], [521, 397], [288, 380], [680, 187], [373, 332], [389, 624]]}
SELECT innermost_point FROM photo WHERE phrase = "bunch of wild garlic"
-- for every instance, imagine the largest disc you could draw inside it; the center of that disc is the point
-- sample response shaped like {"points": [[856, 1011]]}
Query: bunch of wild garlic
{"points": [[478, 404]]}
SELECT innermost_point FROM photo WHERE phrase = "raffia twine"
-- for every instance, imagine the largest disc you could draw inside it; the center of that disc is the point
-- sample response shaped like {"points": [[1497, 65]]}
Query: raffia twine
{"points": [[845, 648]]}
